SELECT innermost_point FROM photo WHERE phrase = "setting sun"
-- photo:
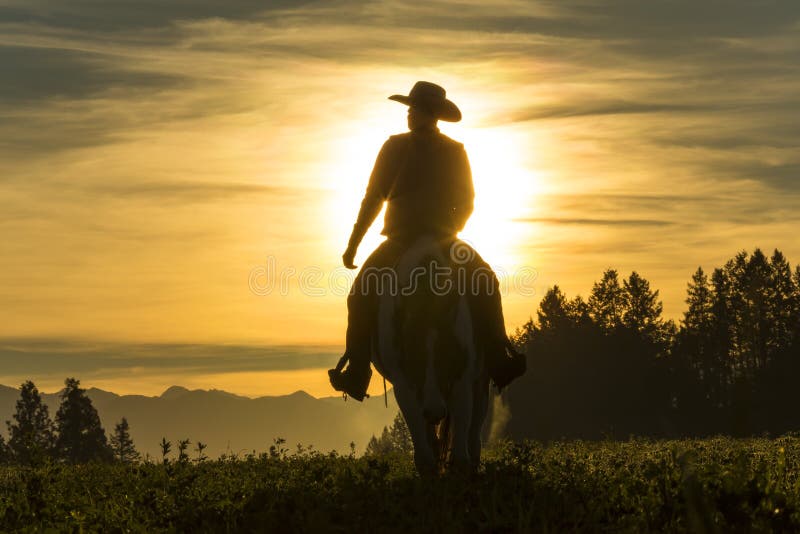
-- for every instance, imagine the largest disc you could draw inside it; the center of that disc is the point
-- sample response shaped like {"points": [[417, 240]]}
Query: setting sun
{"points": [[504, 187]]}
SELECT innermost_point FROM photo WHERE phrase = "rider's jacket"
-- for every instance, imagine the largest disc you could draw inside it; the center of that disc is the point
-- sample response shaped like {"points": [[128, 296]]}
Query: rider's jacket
{"points": [[426, 179]]}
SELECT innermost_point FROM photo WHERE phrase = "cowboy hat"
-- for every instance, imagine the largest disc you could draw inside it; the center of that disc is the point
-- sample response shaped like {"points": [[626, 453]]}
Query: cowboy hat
{"points": [[431, 97]]}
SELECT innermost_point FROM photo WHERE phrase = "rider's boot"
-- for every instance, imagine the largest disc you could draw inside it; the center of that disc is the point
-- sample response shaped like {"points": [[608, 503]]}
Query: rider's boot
{"points": [[505, 364], [354, 380]]}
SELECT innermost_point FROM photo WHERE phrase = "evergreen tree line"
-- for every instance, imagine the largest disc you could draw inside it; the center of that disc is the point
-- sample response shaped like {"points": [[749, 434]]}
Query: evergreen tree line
{"points": [[76, 435], [611, 366]]}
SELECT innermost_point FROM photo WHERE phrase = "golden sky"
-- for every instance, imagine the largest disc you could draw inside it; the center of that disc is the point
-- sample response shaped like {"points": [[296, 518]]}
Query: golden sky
{"points": [[156, 158]]}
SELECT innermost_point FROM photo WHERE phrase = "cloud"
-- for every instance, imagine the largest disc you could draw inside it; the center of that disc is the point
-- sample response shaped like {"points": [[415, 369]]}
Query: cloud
{"points": [[116, 15], [595, 222], [34, 134], [782, 176], [586, 109], [45, 73], [60, 357], [656, 208], [187, 191], [775, 130], [724, 205]]}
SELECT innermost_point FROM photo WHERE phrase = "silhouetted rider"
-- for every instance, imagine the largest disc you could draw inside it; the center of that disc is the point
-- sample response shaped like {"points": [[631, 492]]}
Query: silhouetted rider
{"points": [[426, 179]]}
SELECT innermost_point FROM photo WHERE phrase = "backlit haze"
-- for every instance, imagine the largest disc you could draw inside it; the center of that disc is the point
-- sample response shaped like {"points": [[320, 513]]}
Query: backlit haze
{"points": [[161, 161]]}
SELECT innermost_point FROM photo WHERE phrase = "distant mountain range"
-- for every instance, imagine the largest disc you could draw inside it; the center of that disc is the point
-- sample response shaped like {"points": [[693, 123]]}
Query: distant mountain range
{"points": [[231, 423]]}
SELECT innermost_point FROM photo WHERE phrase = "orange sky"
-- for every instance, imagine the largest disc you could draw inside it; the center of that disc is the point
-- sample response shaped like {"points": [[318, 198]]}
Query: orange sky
{"points": [[153, 164]]}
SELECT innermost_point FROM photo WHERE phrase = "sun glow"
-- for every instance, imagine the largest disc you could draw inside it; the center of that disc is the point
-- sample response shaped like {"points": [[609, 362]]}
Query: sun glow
{"points": [[503, 187]]}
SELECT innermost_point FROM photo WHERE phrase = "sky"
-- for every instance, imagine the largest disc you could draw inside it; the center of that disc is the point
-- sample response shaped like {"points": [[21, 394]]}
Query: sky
{"points": [[178, 180]]}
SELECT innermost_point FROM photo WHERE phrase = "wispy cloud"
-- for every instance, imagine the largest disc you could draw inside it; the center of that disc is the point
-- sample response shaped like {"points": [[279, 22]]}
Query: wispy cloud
{"points": [[189, 191], [586, 109], [596, 222], [91, 358]]}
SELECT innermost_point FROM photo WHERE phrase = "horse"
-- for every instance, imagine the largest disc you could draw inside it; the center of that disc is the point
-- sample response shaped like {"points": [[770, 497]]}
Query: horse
{"points": [[425, 344]]}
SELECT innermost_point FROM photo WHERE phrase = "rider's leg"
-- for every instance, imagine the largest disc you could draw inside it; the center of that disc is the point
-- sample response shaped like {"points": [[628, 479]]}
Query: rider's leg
{"points": [[371, 281], [503, 362], [355, 379]]}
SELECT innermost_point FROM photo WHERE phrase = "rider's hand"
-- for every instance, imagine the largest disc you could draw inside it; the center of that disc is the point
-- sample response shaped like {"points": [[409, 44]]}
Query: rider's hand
{"points": [[348, 257]]}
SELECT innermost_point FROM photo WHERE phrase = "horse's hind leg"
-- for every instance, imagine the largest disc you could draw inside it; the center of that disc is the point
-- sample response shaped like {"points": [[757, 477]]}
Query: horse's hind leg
{"points": [[418, 427]]}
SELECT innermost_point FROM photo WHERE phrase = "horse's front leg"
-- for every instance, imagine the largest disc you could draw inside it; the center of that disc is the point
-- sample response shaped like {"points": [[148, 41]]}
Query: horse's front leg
{"points": [[461, 410], [424, 457], [480, 405]]}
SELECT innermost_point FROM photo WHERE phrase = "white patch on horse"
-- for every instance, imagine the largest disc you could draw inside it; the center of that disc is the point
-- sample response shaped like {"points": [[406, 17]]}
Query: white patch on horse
{"points": [[387, 362], [462, 395]]}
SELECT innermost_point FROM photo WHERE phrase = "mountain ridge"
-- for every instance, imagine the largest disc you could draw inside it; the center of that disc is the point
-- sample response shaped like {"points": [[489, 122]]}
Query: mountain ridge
{"points": [[227, 422]]}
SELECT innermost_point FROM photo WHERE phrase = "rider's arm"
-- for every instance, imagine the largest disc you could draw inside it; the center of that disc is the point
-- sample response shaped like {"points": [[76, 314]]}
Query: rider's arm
{"points": [[464, 191], [377, 192]]}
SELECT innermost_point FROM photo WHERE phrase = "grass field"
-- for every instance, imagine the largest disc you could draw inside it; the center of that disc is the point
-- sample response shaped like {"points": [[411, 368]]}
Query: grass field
{"points": [[713, 485]]}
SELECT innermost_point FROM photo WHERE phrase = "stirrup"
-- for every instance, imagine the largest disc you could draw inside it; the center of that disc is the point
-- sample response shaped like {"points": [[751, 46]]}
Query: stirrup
{"points": [[342, 381]]}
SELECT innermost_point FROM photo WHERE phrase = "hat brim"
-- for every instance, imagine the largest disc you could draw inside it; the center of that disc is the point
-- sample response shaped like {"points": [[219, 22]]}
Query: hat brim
{"points": [[444, 110]]}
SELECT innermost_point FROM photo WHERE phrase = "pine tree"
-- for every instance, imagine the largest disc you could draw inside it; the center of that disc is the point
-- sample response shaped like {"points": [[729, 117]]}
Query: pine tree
{"points": [[642, 309], [578, 312], [706, 358], [781, 305], [722, 334], [400, 435], [552, 313], [31, 437], [699, 298], [756, 325], [606, 302], [523, 335], [122, 444], [81, 437], [394, 439], [379, 446], [732, 296], [372, 446]]}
